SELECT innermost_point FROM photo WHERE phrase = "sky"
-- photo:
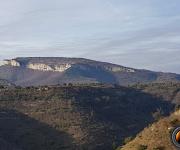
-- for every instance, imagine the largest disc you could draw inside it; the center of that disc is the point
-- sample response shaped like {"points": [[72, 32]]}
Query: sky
{"points": [[135, 33]]}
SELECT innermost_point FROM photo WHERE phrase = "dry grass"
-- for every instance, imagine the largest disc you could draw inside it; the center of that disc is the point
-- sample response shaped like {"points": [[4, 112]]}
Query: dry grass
{"points": [[157, 135]]}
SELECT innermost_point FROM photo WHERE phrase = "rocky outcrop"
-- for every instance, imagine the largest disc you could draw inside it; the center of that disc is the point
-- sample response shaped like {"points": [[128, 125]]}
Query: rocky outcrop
{"points": [[14, 63], [10, 62], [59, 66], [44, 67], [62, 67], [2, 63], [37, 66]]}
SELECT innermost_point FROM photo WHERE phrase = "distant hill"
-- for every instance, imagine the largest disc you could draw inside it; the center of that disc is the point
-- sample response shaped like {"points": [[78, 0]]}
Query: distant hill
{"points": [[57, 70]]}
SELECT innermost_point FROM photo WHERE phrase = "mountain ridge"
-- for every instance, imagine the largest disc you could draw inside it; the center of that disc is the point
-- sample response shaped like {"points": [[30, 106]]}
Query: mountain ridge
{"points": [[24, 61], [28, 71]]}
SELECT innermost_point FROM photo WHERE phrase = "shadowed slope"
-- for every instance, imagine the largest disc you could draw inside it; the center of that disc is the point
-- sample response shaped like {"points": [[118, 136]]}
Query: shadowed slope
{"points": [[20, 132]]}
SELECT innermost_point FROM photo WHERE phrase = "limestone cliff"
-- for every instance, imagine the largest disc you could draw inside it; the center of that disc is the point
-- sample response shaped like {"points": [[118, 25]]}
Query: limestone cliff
{"points": [[37, 66], [2, 63], [14, 63], [59, 66], [44, 67], [10, 62], [62, 67]]}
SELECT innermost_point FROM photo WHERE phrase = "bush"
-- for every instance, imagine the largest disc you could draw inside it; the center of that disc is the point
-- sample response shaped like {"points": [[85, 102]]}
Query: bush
{"points": [[114, 146], [177, 107], [159, 148], [2, 87], [127, 140], [142, 147], [174, 122]]}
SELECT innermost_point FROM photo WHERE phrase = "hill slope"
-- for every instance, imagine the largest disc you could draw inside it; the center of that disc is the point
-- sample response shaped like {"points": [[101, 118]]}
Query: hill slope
{"points": [[93, 117], [47, 71], [156, 136], [5, 83]]}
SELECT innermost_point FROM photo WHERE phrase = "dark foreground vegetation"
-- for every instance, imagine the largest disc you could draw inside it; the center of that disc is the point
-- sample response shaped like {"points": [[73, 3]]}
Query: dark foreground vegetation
{"points": [[82, 117]]}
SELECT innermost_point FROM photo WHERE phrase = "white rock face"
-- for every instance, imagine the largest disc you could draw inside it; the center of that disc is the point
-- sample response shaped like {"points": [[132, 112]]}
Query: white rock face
{"points": [[37, 66], [2, 63], [14, 63], [61, 68], [44, 67], [10, 62]]}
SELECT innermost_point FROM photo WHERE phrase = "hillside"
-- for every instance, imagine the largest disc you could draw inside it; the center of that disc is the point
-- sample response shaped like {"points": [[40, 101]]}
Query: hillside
{"points": [[34, 71], [93, 117], [156, 136], [5, 83], [168, 91]]}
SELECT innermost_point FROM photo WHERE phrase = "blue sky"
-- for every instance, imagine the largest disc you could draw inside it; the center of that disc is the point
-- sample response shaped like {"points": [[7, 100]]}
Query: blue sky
{"points": [[134, 33]]}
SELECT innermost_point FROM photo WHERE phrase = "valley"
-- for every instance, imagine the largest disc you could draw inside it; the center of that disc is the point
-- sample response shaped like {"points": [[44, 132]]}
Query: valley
{"points": [[85, 116]]}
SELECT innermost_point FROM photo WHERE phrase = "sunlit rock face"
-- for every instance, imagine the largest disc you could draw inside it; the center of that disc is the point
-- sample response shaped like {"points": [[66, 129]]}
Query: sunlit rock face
{"points": [[37, 66], [44, 67], [61, 68], [2, 63], [14, 63], [10, 62], [60, 65]]}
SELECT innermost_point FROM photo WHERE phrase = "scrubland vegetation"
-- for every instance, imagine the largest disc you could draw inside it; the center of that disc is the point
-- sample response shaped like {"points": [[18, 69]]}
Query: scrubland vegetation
{"points": [[88, 116]]}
